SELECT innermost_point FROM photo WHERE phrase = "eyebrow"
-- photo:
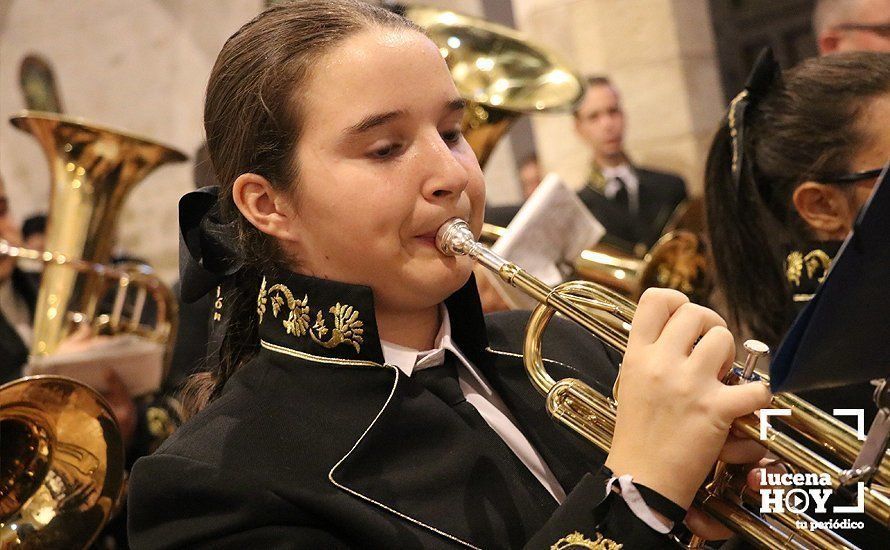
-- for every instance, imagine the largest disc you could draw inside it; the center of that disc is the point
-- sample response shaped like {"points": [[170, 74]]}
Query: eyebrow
{"points": [[373, 121]]}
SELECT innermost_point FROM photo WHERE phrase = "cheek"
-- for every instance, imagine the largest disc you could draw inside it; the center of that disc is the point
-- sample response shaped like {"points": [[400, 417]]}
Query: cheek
{"points": [[860, 198]]}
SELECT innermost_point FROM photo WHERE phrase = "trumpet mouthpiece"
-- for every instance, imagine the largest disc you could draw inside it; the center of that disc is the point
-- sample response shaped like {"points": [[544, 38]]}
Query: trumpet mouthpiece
{"points": [[454, 237]]}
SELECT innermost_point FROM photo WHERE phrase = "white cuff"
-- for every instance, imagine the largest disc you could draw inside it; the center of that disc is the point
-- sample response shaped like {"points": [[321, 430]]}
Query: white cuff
{"points": [[637, 505]]}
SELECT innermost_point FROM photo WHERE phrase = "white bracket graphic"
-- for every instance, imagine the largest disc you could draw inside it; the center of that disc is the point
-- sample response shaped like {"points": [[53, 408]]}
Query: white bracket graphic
{"points": [[764, 419], [860, 420]]}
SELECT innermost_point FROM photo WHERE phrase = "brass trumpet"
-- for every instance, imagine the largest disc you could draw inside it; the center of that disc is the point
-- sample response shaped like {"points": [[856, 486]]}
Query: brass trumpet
{"points": [[608, 316]]}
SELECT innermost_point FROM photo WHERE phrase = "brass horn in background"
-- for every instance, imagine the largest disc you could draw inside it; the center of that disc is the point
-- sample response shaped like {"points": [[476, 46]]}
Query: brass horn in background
{"points": [[61, 463], [678, 260], [608, 316], [93, 169], [500, 72]]}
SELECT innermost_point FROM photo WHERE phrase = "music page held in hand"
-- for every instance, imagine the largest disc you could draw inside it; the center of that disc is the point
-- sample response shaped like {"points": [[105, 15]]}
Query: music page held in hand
{"points": [[550, 230], [137, 361]]}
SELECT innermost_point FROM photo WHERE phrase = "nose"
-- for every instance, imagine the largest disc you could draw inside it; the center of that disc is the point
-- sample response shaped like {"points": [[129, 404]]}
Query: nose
{"points": [[447, 177]]}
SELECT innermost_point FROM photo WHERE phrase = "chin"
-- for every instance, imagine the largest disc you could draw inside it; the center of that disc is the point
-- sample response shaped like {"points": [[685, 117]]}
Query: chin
{"points": [[448, 279]]}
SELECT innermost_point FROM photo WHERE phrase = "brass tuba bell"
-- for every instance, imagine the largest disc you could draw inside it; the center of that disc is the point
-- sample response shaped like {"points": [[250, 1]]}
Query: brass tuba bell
{"points": [[498, 71], [61, 463], [93, 169]]}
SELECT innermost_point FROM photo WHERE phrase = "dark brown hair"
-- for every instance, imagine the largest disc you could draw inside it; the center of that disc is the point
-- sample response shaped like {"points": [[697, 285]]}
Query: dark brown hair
{"points": [[253, 119], [806, 128]]}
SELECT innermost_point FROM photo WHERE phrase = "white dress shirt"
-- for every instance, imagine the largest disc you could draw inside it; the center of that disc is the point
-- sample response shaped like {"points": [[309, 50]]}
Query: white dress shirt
{"points": [[631, 182], [479, 394]]}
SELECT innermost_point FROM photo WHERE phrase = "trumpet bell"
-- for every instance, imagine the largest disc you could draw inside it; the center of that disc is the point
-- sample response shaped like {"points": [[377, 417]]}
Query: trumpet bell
{"points": [[61, 463]]}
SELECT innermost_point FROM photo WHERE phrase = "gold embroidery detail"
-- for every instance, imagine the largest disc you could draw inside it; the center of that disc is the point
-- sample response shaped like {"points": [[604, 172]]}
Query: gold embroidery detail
{"points": [[577, 540], [814, 261], [159, 423], [794, 267], [298, 311], [733, 128], [261, 300], [817, 259], [595, 179], [218, 304], [347, 328]]}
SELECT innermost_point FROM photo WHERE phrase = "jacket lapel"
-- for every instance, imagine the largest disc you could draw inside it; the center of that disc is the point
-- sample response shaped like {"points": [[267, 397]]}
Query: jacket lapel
{"points": [[418, 446], [567, 454]]}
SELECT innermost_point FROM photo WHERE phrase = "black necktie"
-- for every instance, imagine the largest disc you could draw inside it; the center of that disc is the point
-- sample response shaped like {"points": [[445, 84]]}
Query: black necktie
{"points": [[621, 198], [442, 381]]}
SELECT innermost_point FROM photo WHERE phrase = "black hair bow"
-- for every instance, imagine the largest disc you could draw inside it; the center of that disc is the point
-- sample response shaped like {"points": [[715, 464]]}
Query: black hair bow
{"points": [[208, 252], [761, 79]]}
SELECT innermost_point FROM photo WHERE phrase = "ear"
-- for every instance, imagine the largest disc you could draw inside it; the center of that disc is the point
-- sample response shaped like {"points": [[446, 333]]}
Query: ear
{"points": [[825, 208], [267, 209]]}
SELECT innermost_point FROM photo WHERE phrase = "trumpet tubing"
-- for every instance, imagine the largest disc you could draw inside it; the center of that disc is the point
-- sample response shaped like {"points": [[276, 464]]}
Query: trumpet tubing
{"points": [[678, 260], [592, 414]]}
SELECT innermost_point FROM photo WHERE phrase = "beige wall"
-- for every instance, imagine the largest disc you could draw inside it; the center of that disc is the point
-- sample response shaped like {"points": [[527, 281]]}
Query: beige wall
{"points": [[139, 65], [659, 53]]}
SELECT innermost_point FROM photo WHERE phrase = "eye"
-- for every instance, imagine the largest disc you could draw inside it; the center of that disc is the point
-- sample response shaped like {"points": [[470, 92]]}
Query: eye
{"points": [[451, 137], [385, 151]]}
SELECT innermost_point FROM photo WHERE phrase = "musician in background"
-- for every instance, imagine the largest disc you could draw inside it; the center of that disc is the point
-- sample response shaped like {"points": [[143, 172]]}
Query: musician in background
{"points": [[143, 423], [809, 148], [34, 231], [852, 25], [18, 295], [360, 398], [632, 202], [530, 174]]}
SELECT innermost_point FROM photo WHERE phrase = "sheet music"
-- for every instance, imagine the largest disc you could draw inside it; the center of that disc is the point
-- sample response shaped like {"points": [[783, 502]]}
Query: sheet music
{"points": [[550, 230], [138, 362]]}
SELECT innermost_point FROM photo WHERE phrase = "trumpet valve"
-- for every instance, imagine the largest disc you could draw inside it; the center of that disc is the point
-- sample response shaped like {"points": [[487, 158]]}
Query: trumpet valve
{"points": [[755, 349]]}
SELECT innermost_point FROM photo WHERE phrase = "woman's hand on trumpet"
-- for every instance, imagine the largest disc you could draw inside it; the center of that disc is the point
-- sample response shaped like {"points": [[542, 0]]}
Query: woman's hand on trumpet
{"points": [[672, 404]]}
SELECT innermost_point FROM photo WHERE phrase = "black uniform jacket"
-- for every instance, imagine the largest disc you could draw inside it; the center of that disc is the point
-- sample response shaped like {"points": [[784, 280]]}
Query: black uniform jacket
{"points": [[315, 443], [13, 351], [659, 195]]}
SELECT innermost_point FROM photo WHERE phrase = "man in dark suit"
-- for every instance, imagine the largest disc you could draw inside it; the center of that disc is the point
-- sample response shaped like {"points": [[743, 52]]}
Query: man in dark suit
{"points": [[633, 203]]}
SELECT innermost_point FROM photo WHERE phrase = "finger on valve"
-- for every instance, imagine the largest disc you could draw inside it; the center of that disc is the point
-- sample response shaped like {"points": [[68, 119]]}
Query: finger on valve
{"points": [[665, 387]]}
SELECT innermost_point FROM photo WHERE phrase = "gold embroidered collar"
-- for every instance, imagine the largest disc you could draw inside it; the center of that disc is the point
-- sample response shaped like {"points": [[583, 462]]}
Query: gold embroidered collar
{"points": [[805, 269], [319, 317], [334, 320]]}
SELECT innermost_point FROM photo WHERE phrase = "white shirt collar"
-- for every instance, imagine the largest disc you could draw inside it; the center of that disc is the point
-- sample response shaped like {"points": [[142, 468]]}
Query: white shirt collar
{"points": [[409, 360], [622, 171]]}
